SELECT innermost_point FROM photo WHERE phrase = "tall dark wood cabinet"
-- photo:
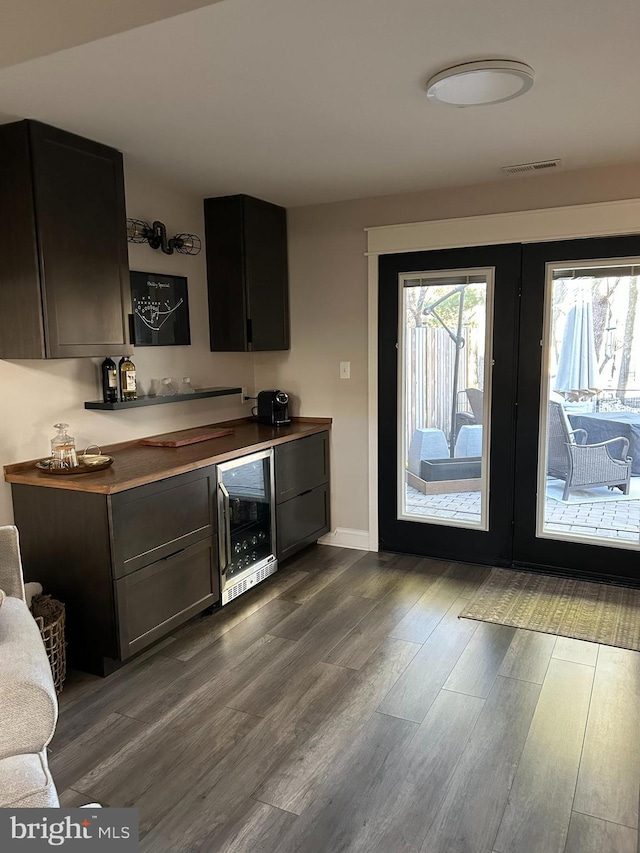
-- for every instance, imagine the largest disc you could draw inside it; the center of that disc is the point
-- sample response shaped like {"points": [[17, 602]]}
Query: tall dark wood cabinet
{"points": [[64, 268], [247, 274]]}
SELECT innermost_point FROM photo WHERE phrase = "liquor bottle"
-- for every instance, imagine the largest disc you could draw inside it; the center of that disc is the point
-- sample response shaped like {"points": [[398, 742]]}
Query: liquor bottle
{"points": [[128, 387], [109, 381]]}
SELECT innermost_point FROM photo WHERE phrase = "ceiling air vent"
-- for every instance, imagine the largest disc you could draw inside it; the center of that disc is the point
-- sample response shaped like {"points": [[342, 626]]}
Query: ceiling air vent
{"points": [[532, 167]]}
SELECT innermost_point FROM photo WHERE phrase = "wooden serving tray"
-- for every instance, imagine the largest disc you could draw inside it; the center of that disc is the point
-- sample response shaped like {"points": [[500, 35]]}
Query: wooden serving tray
{"points": [[184, 437], [99, 463]]}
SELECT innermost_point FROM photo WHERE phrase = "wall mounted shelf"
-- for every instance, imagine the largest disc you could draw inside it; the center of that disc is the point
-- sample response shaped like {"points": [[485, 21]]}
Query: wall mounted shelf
{"points": [[154, 401]]}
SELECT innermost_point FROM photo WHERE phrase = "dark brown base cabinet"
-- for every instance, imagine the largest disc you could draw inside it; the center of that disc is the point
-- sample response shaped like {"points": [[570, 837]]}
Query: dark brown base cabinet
{"points": [[130, 567], [302, 493], [134, 565]]}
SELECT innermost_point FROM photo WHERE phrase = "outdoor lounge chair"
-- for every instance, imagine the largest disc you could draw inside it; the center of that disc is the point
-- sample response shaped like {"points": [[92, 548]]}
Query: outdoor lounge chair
{"points": [[583, 465], [475, 397]]}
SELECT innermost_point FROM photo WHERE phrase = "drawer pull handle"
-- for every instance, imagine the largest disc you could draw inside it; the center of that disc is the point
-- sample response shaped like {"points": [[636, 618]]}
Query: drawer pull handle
{"points": [[308, 492], [175, 554]]}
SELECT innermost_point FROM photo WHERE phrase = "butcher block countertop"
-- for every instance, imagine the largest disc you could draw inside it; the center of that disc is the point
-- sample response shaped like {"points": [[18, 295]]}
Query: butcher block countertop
{"points": [[135, 464]]}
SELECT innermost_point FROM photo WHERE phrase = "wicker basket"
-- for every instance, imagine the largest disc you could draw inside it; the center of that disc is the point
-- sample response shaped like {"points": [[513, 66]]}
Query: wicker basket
{"points": [[50, 616]]}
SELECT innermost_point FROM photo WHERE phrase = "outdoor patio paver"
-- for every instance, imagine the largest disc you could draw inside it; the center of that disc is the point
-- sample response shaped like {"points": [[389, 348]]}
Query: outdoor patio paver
{"points": [[611, 519]]}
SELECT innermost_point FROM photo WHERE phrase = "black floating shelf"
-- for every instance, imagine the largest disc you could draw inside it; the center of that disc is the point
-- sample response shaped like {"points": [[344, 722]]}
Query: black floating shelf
{"points": [[154, 401]]}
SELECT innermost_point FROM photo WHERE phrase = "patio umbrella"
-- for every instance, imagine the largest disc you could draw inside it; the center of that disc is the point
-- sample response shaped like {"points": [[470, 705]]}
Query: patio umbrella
{"points": [[578, 376]]}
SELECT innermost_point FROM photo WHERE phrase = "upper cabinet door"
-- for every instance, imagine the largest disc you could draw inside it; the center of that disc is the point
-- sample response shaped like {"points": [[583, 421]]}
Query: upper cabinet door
{"points": [[267, 281], [224, 237], [63, 269], [81, 231], [247, 274], [21, 321]]}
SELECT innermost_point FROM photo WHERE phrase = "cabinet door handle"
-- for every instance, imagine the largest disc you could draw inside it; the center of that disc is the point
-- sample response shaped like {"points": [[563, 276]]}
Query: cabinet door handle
{"points": [[308, 492]]}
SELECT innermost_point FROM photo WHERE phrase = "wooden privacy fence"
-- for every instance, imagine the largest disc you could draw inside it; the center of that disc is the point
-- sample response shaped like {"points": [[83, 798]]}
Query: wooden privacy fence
{"points": [[430, 355]]}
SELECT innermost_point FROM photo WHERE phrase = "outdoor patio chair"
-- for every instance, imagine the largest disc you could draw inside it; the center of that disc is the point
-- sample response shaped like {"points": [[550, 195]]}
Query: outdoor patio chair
{"points": [[583, 465], [476, 400]]}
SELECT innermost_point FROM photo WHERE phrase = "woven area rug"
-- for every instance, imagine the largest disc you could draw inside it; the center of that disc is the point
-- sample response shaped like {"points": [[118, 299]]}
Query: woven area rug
{"points": [[599, 613]]}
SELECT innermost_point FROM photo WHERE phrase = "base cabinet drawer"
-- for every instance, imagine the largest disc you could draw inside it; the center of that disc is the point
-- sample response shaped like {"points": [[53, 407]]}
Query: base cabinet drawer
{"points": [[161, 596], [302, 520], [151, 522], [301, 465]]}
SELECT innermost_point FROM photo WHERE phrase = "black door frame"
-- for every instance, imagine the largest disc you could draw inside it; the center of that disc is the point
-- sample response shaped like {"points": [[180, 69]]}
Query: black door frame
{"points": [[447, 542], [519, 293], [559, 556]]}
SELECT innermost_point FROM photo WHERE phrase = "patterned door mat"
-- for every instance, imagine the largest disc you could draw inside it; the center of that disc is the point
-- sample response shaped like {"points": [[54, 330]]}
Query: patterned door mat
{"points": [[596, 612]]}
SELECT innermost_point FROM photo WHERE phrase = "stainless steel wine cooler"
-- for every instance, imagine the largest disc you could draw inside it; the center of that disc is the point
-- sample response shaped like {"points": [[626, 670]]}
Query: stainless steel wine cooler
{"points": [[246, 523]]}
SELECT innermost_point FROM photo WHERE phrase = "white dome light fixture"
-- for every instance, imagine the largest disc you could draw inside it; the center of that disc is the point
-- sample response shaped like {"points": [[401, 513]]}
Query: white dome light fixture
{"points": [[489, 81]]}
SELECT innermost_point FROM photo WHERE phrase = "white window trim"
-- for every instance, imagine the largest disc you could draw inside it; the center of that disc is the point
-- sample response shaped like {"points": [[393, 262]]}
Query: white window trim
{"points": [[529, 226]]}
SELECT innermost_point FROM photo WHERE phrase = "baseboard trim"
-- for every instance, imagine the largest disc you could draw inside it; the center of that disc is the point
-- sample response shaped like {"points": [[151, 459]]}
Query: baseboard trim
{"points": [[347, 537]]}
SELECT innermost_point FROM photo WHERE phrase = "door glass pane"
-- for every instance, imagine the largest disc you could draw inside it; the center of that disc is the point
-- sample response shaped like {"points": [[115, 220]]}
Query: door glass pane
{"points": [[249, 514], [589, 459], [444, 366]]}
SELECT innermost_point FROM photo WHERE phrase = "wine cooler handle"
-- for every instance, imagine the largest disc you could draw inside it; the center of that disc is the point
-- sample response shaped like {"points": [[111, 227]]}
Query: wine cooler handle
{"points": [[227, 524]]}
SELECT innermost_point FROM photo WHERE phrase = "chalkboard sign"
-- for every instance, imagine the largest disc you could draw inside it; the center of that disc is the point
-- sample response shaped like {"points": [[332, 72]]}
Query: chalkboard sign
{"points": [[160, 306]]}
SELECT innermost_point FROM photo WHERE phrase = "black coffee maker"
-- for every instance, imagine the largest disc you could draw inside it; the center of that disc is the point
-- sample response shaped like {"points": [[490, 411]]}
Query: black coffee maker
{"points": [[273, 408]]}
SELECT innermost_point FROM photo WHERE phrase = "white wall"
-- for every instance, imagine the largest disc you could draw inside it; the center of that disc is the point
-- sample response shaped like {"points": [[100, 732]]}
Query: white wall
{"points": [[37, 393], [328, 285]]}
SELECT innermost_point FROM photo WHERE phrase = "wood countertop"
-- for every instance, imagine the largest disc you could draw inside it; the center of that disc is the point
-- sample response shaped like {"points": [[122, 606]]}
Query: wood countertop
{"points": [[136, 464]]}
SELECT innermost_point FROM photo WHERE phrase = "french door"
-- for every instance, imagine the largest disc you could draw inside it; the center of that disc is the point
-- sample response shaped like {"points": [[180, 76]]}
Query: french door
{"points": [[433, 308], [509, 418]]}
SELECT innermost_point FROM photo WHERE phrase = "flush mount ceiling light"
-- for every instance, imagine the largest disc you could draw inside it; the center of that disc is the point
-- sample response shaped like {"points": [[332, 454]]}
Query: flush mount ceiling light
{"points": [[490, 81]]}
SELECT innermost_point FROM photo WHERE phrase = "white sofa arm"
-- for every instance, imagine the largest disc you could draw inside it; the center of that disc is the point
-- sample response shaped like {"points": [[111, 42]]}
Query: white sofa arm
{"points": [[28, 702], [10, 563]]}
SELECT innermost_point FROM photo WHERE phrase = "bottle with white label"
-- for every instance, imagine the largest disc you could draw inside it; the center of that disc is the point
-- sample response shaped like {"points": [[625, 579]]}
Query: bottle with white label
{"points": [[128, 386]]}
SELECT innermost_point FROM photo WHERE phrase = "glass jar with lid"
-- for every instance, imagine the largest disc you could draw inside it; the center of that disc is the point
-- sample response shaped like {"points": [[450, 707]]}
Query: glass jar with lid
{"points": [[63, 448]]}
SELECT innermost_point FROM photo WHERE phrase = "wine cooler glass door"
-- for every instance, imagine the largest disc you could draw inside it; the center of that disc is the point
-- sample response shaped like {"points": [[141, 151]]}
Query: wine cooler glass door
{"points": [[246, 487]]}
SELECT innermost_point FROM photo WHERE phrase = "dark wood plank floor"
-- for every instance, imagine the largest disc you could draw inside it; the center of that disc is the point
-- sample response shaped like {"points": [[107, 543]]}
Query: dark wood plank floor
{"points": [[343, 706]]}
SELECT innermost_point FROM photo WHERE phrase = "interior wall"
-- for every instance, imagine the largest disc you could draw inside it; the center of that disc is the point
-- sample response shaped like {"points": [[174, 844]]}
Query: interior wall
{"points": [[38, 393], [328, 287]]}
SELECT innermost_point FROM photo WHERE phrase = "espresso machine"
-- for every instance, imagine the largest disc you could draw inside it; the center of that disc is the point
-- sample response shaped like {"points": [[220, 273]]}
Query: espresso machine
{"points": [[273, 408]]}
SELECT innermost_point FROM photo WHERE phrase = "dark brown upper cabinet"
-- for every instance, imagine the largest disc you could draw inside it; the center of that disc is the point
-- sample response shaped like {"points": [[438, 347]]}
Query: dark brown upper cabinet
{"points": [[247, 274], [63, 271]]}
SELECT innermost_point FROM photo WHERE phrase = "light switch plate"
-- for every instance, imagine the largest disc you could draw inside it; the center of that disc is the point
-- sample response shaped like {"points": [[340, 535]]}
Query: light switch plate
{"points": [[345, 370]]}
